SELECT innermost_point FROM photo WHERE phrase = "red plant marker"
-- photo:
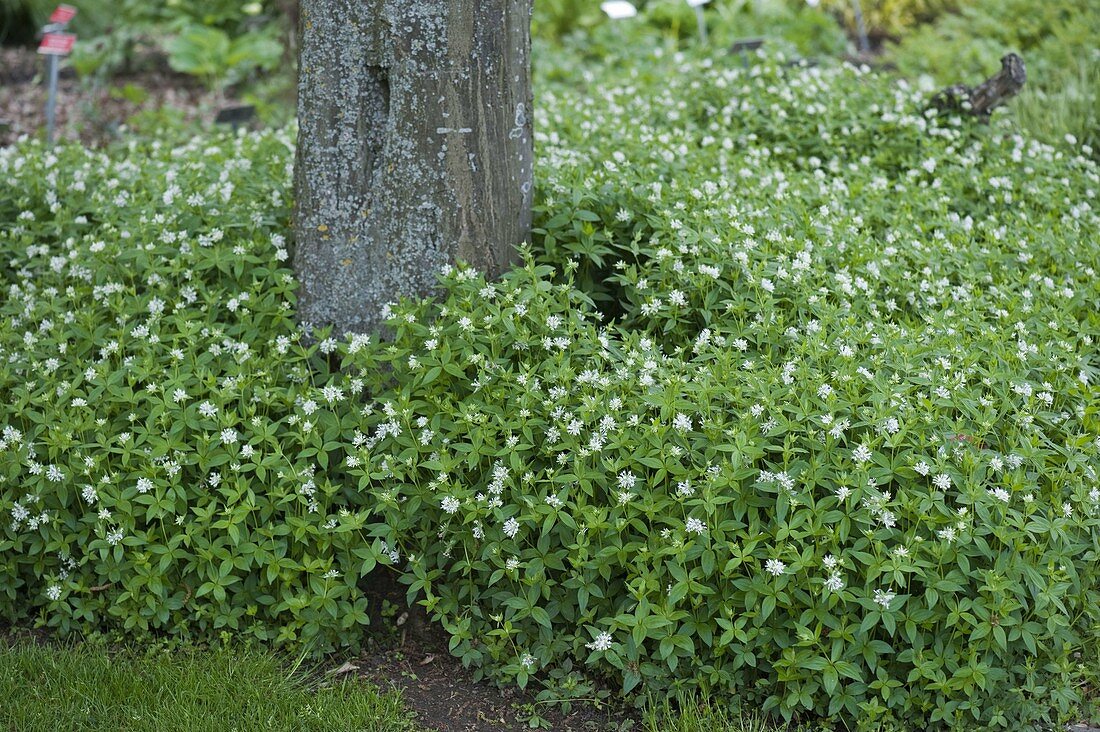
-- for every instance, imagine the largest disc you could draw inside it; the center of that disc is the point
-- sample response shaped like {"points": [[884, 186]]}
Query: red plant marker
{"points": [[62, 14], [57, 44]]}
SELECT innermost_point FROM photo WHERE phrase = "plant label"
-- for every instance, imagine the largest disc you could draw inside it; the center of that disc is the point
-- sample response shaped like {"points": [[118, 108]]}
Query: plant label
{"points": [[63, 14], [617, 9], [57, 44], [235, 115]]}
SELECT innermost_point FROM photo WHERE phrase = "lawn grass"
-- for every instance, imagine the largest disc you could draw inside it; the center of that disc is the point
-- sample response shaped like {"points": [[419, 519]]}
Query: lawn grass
{"points": [[695, 715], [56, 686]]}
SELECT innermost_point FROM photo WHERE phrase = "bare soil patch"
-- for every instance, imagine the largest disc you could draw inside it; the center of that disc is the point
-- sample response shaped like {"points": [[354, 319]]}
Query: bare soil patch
{"points": [[89, 111], [414, 658]]}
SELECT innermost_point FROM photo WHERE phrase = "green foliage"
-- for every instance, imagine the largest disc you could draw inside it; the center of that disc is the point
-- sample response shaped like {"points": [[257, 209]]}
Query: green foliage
{"points": [[891, 18], [791, 19], [212, 55], [790, 24], [554, 19], [100, 17], [1057, 41], [794, 399], [219, 42], [231, 15]]}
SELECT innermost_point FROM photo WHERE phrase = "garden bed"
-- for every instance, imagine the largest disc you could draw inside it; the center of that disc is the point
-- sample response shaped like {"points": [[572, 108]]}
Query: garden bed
{"points": [[792, 402]]}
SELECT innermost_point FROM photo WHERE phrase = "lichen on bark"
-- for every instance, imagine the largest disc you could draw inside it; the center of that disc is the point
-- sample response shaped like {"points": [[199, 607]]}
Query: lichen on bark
{"points": [[414, 149]]}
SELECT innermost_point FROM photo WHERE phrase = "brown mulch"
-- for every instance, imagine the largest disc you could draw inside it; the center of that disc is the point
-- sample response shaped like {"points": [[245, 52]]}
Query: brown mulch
{"points": [[89, 111]]}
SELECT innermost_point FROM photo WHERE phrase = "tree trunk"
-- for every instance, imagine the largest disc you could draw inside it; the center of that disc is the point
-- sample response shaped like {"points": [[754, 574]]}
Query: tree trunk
{"points": [[414, 148]]}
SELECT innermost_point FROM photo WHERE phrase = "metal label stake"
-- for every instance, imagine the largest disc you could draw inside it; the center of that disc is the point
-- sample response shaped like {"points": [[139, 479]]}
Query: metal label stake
{"points": [[55, 44], [697, 6]]}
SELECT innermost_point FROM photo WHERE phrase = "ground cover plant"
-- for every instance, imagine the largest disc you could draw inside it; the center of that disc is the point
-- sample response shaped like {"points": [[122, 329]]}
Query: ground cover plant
{"points": [[793, 401]]}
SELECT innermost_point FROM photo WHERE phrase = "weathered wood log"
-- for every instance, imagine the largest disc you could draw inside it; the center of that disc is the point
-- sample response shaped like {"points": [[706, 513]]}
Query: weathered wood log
{"points": [[415, 148], [981, 100]]}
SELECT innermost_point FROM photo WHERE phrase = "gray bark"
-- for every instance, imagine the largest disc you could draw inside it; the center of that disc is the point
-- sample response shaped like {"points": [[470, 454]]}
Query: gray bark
{"points": [[414, 148]]}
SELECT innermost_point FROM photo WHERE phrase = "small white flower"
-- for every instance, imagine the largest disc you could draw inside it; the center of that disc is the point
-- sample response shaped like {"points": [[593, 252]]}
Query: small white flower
{"points": [[884, 598], [511, 528], [229, 436], [775, 567], [450, 505], [861, 454], [834, 583], [602, 643], [695, 526]]}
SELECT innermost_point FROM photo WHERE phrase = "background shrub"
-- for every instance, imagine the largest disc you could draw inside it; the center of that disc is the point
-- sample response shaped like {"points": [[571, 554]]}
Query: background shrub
{"points": [[1057, 41], [586, 29], [225, 39], [892, 18]]}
